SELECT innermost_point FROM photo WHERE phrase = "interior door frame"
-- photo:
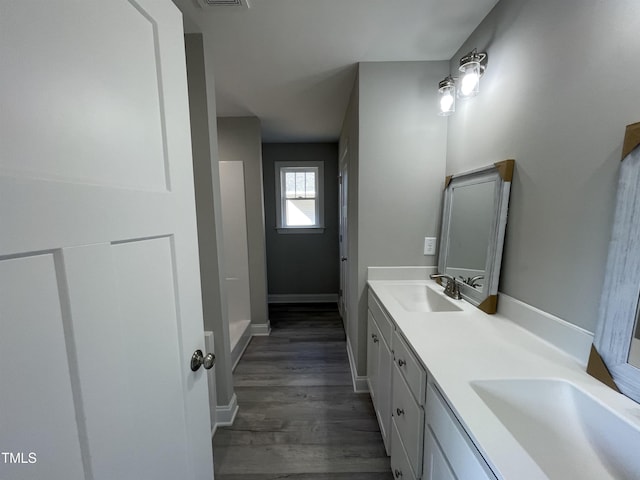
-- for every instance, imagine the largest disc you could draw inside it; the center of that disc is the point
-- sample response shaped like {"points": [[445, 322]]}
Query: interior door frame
{"points": [[343, 232]]}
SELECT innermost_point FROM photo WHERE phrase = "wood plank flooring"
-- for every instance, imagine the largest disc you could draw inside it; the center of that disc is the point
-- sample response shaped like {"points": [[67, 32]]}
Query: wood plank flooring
{"points": [[299, 418]]}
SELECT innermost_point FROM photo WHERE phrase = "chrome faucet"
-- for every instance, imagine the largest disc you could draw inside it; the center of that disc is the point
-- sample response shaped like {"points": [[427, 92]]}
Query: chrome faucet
{"points": [[451, 289]]}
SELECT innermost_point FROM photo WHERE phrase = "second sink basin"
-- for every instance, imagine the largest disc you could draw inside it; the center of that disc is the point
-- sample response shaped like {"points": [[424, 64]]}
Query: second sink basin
{"points": [[420, 298], [566, 432]]}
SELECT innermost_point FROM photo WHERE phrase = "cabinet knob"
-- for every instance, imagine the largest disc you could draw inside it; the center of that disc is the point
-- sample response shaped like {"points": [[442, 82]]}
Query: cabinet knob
{"points": [[401, 362], [399, 411], [375, 338], [397, 473]]}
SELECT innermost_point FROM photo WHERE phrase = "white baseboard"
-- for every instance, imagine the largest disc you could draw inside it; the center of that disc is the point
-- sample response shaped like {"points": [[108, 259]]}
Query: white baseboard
{"points": [[261, 329], [571, 339], [239, 348], [226, 414], [360, 384], [304, 298]]}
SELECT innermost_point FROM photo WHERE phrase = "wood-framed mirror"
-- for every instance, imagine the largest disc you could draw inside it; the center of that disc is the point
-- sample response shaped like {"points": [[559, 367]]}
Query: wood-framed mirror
{"points": [[617, 337], [474, 218]]}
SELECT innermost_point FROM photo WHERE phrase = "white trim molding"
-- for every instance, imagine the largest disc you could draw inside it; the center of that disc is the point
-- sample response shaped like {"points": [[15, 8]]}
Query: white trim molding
{"points": [[261, 329], [360, 384], [304, 298], [211, 380], [226, 414], [238, 350]]}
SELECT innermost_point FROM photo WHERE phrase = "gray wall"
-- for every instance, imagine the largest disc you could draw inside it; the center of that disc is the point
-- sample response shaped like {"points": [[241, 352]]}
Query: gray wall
{"points": [[239, 139], [302, 263], [401, 170], [204, 146], [560, 87]]}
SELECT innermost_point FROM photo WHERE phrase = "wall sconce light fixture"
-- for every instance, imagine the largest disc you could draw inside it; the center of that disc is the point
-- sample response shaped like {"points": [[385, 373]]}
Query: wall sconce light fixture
{"points": [[447, 90], [472, 66]]}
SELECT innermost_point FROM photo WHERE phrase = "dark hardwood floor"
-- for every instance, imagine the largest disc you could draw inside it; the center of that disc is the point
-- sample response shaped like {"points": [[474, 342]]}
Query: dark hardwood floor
{"points": [[299, 418]]}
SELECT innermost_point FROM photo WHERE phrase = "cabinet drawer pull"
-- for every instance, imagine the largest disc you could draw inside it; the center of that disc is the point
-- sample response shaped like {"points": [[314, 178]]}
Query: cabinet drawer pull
{"points": [[401, 362], [399, 411], [397, 473], [375, 338]]}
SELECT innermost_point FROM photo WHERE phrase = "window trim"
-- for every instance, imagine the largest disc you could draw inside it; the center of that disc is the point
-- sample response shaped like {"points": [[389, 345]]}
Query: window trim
{"points": [[280, 198]]}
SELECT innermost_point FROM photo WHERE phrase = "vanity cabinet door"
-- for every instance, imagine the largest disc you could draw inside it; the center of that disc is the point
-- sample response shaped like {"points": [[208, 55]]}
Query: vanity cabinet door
{"points": [[400, 463], [408, 417], [379, 366], [373, 349], [385, 325], [410, 368], [460, 453], [383, 410], [435, 464]]}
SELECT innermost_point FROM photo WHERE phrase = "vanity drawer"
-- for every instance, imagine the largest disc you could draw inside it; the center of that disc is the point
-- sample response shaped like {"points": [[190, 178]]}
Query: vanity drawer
{"points": [[463, 456], [384, 323], [408, 417], [400, 466], [410, 368]]}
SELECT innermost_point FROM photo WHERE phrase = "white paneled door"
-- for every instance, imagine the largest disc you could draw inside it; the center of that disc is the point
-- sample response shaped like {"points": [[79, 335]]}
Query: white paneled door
{"points": [[100, 307]]}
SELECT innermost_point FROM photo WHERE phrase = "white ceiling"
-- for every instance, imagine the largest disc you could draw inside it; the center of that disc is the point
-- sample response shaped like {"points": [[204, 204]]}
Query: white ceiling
{"points": [[292, 63]]}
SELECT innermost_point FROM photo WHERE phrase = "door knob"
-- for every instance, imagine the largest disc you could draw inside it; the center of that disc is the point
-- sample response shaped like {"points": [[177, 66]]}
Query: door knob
{"points": [[198, 359]]}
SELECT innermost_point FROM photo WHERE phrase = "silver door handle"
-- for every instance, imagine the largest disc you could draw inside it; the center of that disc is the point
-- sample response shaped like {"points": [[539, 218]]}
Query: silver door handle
{"points": [[199, 359]]}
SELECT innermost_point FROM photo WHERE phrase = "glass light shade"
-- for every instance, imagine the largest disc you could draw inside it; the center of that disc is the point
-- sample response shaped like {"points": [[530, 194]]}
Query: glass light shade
{"points": [[470, 79], [472, 67], [447, 90]]}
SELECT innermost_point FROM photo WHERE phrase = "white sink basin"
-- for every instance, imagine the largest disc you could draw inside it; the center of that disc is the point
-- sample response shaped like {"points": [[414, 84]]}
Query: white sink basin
{"points": [[568, 433], [420, 298]]}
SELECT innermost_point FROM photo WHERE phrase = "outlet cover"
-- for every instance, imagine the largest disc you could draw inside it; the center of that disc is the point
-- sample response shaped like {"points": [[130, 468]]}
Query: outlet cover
{"points": [[429, 245]]}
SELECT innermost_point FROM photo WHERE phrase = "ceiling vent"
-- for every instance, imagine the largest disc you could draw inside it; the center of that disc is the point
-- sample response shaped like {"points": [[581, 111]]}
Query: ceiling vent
{"points": [[232, 4]]}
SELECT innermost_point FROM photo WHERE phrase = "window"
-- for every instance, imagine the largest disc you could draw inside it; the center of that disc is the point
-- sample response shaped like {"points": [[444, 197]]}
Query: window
{"points": [[299, 197]]}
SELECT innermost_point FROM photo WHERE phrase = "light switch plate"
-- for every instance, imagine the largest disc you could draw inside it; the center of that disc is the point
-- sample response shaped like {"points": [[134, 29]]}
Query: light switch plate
{"points": [[429, 245]]}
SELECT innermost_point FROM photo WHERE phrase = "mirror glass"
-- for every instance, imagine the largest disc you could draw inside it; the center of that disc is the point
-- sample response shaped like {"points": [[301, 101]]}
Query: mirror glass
{"points": [[472, 210], [473, 224], [617, 337]]}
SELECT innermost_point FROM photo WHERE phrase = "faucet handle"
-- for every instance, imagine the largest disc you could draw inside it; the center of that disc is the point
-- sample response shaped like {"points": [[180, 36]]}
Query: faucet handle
{"points": [[451, 289]]}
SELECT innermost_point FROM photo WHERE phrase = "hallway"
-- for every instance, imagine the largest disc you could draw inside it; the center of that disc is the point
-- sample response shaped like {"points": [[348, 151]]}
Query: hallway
{"points": [[299, 418]]}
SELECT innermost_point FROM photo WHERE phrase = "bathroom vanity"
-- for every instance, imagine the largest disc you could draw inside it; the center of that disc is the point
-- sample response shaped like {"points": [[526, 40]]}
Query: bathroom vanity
{"points": [[419, 430], [463, 395]]}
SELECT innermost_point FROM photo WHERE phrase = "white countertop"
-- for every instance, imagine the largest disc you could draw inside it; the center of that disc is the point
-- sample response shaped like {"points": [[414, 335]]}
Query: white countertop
{"points": [[459, 347]]}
